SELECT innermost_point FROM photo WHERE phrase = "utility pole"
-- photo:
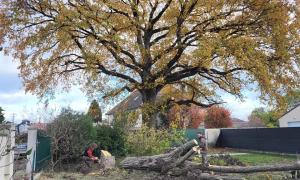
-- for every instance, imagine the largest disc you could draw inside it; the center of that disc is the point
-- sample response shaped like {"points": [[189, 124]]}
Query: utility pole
{"points": [[13, 117]]}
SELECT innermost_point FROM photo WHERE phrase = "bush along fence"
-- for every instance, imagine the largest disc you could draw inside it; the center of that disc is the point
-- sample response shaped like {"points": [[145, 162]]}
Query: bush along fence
{"points": [[280, 140]]}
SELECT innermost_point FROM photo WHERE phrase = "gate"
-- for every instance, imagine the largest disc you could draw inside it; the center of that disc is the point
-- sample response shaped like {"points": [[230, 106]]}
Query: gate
{"points": [[43, 151]]}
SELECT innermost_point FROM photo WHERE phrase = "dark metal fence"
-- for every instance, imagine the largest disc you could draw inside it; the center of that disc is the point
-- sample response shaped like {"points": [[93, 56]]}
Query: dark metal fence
{"points": [[282, 140]]}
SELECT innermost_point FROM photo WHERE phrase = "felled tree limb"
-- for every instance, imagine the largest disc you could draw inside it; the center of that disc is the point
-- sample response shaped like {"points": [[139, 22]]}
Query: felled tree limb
{"points": [[157, 162], [246, 169], [198, 174]]}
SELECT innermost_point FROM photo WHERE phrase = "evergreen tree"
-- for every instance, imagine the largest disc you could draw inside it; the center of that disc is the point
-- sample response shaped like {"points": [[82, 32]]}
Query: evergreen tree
{"points": [[1, 115], [95, 111]]}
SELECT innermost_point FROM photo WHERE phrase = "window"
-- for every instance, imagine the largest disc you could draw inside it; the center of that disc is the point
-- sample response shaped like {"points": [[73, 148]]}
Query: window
{"points": [[294, 124]]}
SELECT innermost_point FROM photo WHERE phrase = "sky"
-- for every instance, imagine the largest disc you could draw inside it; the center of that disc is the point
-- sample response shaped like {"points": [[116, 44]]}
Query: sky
{"points": [[18, 105]]}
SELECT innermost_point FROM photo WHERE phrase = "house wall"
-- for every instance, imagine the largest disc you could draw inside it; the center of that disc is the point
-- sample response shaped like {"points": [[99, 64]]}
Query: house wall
{"points": [[292, 116], [23, 128], [139, 120], [109, 119]]}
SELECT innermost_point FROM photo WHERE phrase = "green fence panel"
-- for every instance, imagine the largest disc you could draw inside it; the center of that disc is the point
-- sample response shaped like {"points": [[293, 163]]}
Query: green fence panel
{"points": [[43, 151], [192, 133]]}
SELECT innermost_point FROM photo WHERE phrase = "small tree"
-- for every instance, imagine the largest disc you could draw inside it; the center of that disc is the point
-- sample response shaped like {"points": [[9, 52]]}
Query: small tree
{"points": [[217, 117], [71, 132], [197, 116], [175, 116], [95, 111], [185, 116], [254, 121], [267, 118], [1, 116]]}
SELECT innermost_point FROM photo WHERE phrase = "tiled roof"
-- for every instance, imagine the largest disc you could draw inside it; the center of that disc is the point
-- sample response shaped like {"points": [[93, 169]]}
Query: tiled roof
{"points": [[133, 101]]}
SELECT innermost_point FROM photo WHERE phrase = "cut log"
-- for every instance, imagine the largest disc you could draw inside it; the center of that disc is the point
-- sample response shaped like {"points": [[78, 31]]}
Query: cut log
{"points": [[241, 169], [157, 162], [180, 160]]}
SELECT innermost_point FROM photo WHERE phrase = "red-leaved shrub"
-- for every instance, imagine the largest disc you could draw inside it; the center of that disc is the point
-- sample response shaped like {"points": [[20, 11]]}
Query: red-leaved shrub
{"points": [[217, 117]]}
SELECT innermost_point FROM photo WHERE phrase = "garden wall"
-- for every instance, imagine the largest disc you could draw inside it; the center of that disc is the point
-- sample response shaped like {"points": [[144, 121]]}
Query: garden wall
{"points": [[7, 144], [212, 136], [282, 140]]}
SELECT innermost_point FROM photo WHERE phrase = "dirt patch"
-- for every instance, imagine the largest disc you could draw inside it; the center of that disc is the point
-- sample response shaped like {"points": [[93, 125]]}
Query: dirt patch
{"points": [[116, 174]]}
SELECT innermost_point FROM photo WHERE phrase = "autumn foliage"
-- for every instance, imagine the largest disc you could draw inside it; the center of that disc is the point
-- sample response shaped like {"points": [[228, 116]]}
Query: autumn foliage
{"points": [[117, 46], [217, 117], [193, 116], [186, 116]]}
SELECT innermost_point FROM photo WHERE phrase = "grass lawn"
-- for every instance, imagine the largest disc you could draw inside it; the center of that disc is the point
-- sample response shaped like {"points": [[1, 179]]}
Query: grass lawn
{"points": [[262, 158], [256, 159]]}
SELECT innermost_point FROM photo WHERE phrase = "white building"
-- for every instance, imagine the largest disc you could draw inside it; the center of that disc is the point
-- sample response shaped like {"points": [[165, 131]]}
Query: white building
{"points": [[131, 103], [291, 118]]}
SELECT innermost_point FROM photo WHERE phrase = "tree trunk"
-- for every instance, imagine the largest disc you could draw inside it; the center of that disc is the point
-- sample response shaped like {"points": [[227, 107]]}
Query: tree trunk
{"points": [[149, 109], [158, 162]]}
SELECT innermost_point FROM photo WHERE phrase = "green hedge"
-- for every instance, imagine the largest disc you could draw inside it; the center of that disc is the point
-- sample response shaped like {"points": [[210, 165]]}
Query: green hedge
{"points": [[111, 139]]}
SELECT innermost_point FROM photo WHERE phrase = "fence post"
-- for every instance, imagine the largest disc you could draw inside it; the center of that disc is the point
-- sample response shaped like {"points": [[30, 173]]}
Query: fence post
{"points": [[7, 144], [31, 144]]}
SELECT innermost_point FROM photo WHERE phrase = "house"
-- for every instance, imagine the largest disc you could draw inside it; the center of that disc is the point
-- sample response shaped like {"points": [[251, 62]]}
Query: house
{"points": [[291, 118], [22, 127], [39, 125], [238, 123], [134, 101], [130, 103]]}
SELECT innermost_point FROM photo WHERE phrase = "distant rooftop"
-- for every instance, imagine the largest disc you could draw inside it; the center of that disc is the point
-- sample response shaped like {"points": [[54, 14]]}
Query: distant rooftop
{"points": [[238, 123]]}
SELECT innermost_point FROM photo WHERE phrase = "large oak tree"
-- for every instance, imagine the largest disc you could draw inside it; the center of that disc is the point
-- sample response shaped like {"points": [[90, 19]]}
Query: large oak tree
{"points": [[207, 46]]}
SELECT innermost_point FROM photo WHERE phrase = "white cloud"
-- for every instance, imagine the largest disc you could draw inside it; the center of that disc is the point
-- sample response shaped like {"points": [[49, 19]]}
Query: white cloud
{"points": [[7, 65], [242, 109]]}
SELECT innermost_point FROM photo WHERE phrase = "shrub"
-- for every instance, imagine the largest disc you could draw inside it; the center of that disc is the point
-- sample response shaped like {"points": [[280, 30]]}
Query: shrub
{"points": [[217, 117], [225, 160], [111, 139], [149, 141], [126, 120], [71, 132], [197, 116]]}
